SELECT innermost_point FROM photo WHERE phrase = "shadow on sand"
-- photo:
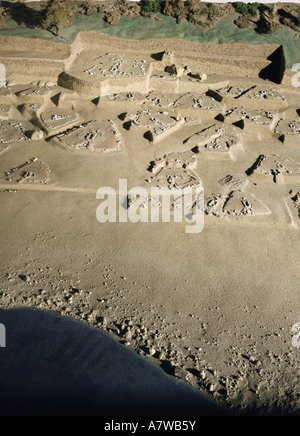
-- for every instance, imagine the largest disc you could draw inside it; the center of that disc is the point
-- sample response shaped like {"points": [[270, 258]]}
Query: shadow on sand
{"points": [[54, 365], [23, 14], [275, 71]]}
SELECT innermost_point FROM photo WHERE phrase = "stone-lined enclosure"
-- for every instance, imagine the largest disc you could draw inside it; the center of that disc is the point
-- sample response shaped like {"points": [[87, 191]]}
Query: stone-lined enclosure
{"points": [[47, 60], [167, 94]]}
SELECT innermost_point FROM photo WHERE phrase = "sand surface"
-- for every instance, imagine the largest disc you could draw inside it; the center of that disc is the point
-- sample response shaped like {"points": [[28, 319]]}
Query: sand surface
{"points": [[217, 309]]}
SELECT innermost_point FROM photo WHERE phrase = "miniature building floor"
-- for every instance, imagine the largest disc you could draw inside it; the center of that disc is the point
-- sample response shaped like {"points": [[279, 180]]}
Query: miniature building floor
{"points": [[214, 309]]}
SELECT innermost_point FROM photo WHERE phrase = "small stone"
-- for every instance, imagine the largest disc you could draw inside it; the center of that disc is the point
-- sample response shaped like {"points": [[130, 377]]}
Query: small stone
{"points": [[212, 388], [203, 375], [37, 135], [254, 361]]}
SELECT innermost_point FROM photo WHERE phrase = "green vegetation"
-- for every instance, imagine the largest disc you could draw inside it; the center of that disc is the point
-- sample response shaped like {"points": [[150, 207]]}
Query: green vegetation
{"points": [[253, 8], [195, 16], [56, 15], [241, 8], [150, 6], [246, 8]]}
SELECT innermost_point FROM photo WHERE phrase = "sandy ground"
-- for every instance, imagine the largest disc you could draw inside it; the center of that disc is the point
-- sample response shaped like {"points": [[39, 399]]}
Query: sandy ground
{"points": [[215, 309]]}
